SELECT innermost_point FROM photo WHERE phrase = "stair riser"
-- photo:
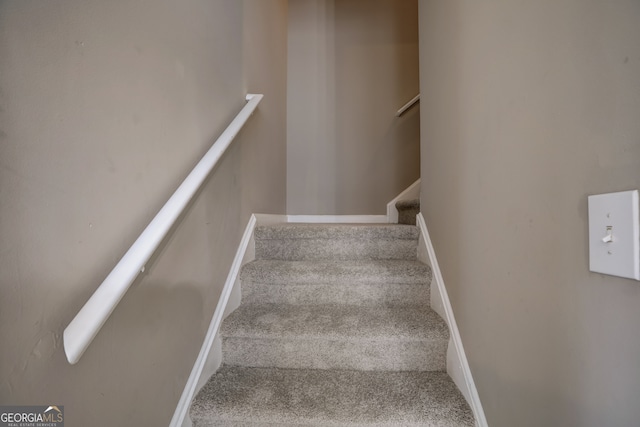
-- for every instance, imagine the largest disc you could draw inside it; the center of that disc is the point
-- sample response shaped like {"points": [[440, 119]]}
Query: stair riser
{"points": [[330, 249], [364, 272], [358, 294], [407, 216], [336, 231], [374, 355]]}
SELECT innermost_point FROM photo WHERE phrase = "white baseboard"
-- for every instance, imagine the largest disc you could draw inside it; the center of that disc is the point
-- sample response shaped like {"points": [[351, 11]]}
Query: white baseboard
{"points": [[210, 356], [412, 192], [457, 364], [330, 219], [266, 219]]}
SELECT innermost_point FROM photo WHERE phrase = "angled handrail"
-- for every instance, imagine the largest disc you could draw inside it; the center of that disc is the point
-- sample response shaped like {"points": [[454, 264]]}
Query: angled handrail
{"points": [[92, 316], [408, 105]]}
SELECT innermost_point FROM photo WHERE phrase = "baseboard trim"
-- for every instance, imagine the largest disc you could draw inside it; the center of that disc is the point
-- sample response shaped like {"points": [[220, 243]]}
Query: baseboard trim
{"points": [[330, 219], [457, 363], [209, 361], [411, 192], [266, 219]]}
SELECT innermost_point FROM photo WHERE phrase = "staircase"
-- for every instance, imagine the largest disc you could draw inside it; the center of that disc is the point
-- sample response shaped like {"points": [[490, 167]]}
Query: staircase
{"points": [[407, 211], [334, 329]]}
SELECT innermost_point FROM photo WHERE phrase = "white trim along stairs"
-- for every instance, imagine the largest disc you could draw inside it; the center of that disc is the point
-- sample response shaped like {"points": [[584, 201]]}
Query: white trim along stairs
{"points": [[209, 360], [457, 363]]}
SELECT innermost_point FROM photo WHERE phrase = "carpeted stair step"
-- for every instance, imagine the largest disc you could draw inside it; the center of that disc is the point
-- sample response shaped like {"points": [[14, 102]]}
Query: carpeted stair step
{"points": [[336, 241], [335, 337], [407, 211], [239, 396], [352, 282], [334, 329]]}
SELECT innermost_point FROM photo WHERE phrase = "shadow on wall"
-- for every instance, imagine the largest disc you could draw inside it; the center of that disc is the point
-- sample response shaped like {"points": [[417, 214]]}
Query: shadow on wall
{"points": [[404, 134], [376, 64], [135, 335], [356, 62], [106, 107], [547, 405]]}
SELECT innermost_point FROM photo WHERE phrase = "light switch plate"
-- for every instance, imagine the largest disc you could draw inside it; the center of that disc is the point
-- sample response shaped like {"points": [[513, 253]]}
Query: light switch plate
{"points": [[614, 234]]}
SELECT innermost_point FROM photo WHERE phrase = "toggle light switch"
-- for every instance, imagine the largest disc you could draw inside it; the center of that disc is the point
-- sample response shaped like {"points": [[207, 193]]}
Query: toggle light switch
{"points": [[614, 234]]}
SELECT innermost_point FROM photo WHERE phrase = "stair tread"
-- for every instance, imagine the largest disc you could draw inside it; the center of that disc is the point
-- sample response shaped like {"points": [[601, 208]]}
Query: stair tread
{"points": [[272, 321], [354, 293], [272, 396], [335, 231], [408, 204], [333, 272]]}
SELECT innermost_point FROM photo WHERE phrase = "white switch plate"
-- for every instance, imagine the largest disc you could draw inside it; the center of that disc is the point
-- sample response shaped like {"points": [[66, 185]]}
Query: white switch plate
{"points": [[621, 255]]}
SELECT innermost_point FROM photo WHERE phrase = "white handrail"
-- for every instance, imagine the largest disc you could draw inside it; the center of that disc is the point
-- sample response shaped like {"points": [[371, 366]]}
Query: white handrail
{"points": [[85, 326], [408, 105]]}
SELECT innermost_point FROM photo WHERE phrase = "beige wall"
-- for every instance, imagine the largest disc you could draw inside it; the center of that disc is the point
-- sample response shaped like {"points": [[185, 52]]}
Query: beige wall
{"points": [[104, 108], [352, 64], [528, 107]]}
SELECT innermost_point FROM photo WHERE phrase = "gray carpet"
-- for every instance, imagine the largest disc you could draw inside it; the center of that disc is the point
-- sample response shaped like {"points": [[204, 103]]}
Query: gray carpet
{"points": [[332, 398], [336, 242], [334, 329], [350, 282], [407, 211]]}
